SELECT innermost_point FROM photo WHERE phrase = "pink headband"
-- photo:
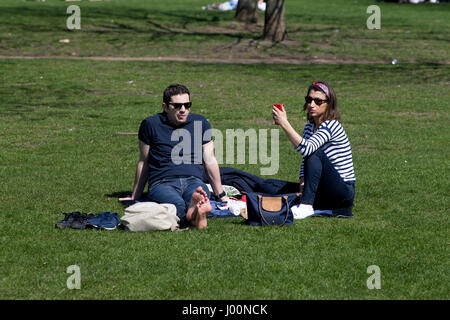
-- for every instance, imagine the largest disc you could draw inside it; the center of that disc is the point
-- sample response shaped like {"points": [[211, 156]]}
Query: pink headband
{"points": [[323, 87]]}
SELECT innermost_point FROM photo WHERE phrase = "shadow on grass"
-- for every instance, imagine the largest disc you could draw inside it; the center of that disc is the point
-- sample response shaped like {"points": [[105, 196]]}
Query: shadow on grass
{"points": [[119, 194], [155, 23]]}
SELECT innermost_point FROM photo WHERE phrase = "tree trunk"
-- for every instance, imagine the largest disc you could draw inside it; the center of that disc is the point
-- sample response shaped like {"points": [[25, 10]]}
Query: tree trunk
{"points": [[275, 22], [247, 11]]}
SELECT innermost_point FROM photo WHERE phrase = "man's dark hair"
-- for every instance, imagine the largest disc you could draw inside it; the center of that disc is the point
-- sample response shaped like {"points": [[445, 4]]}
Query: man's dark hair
{"points": [[173, 90]]}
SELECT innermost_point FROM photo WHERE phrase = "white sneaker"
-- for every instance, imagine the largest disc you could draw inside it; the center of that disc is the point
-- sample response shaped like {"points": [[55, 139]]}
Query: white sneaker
{"points": [[302, 211]]}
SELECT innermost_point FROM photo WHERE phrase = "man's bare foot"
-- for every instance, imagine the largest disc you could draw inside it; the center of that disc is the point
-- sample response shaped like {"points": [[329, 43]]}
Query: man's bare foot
{"points": [[199, 209]]}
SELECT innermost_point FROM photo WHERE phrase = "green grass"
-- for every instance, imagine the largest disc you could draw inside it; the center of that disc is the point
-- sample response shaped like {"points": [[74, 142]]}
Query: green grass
{"points": [[317, 30], [60, 150]]}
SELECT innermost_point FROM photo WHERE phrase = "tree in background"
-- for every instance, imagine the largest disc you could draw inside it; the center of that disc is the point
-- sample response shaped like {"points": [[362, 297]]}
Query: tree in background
{"points": [[247, 11], [275, 22]]}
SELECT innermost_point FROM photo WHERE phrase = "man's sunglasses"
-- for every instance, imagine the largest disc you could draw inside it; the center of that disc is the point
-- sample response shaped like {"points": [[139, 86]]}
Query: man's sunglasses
{"points": [[317, 101], [187, 105]]}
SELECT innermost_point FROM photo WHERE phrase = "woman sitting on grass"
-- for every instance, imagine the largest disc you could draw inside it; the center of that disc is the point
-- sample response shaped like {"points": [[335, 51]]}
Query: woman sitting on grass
{"points": [[327, 178]]}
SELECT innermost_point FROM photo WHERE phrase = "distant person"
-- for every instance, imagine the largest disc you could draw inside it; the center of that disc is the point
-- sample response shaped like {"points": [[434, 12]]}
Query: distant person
{"points": [[413, 1], [327, 177], [231, 5], [175, 152]]}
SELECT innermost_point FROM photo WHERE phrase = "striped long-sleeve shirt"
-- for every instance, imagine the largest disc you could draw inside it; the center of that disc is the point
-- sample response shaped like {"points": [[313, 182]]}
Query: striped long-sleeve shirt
{"points": [[331, 137]]}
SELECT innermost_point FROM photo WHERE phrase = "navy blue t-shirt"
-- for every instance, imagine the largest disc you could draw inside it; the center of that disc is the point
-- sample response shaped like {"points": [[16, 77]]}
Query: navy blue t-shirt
{"points": [[174, 151]]}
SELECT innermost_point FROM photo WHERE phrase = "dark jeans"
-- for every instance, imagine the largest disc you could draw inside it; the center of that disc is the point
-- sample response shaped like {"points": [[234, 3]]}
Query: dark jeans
{"points": [[324, 187], [178, 191]]}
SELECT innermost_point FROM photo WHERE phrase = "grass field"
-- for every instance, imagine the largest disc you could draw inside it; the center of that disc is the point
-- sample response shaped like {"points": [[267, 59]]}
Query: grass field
{"points": [[60, 152], [317, 31]]}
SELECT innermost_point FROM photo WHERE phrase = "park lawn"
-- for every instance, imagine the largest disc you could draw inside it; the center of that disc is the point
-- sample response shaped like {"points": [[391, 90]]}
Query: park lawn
{"points": [[61, 152], [318, 30]]}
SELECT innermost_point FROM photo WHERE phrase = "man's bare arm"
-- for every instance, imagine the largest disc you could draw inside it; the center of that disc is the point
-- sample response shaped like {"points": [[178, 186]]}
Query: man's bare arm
{"points": [[141, 176], [212, 169]]}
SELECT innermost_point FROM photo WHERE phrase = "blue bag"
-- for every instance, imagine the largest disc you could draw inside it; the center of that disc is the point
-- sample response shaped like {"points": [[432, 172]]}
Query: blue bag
{"points": [[270, 210]]}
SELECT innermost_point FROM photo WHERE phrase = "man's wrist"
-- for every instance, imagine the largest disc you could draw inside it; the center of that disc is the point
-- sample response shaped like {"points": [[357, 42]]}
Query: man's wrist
{"points": [[221, 195]]}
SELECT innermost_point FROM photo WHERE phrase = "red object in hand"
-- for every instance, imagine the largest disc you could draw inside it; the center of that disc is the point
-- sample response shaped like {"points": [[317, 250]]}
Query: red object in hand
{"points": [[280, 107]]}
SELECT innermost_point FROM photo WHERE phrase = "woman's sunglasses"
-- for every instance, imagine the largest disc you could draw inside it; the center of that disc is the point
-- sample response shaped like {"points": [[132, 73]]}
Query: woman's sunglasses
{"points": [[187, 105], [317, 101]]}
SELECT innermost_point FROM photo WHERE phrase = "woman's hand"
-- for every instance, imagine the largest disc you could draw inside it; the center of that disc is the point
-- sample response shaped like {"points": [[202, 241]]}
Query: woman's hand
{"points": [[301, 184], [279, 116]]}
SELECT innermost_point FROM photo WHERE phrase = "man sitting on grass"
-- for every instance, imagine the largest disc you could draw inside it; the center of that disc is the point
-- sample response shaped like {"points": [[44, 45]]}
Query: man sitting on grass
{"points": [[175, 148]]}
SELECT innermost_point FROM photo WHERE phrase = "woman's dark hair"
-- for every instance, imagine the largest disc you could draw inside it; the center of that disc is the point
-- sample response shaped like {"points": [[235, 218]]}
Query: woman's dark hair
{"points": [[332, 112], [173, 90]]}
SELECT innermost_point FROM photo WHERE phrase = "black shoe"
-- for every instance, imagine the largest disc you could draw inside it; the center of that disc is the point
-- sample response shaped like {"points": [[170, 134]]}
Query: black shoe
{"points": [[74, 220], [68, 220], [80, 221], [343, 212]]}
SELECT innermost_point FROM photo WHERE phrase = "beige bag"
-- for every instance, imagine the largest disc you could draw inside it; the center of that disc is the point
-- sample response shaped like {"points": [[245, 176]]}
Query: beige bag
{"points": [[149, 216]]}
